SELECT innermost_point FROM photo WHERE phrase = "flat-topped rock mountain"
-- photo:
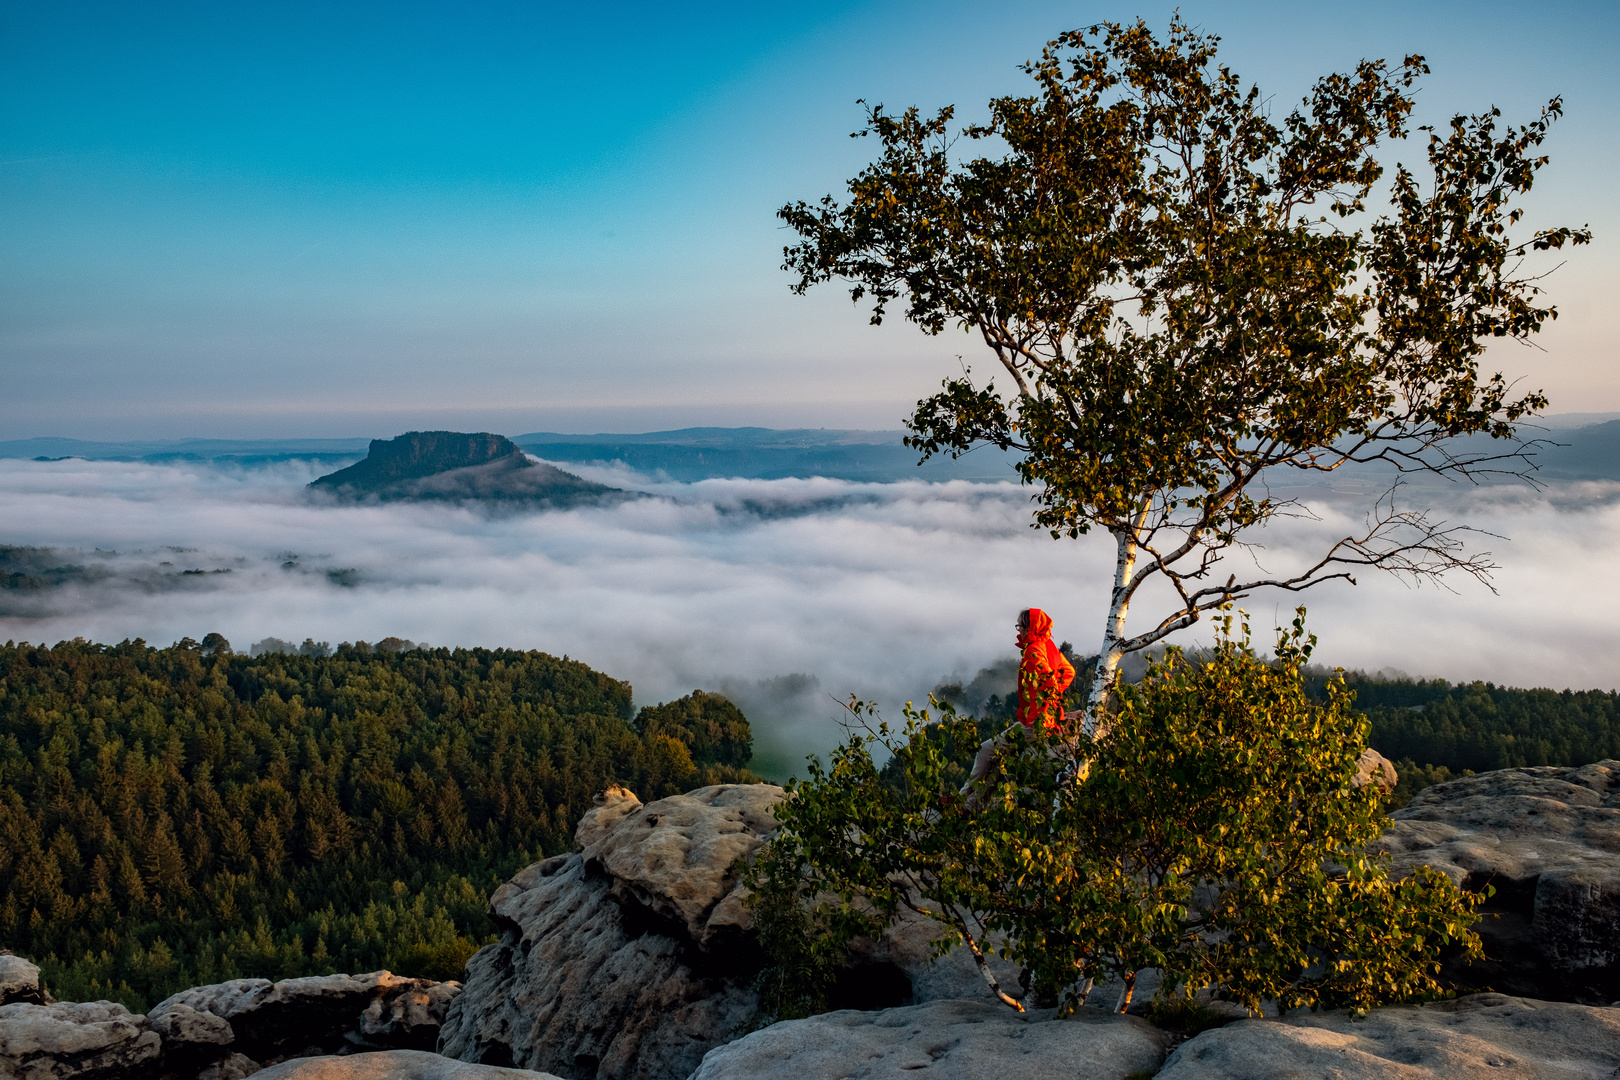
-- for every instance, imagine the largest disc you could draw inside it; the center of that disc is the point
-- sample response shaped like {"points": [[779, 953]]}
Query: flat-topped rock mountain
{"points": [[458, 466]]}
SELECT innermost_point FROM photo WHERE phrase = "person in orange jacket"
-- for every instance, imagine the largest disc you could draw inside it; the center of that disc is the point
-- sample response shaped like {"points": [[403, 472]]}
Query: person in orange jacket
{"points": [[1044, 673]]}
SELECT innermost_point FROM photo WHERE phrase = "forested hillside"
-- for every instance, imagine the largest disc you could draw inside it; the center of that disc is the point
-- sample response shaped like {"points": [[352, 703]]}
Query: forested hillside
{"points": [[171, 817], [1433, 729]]}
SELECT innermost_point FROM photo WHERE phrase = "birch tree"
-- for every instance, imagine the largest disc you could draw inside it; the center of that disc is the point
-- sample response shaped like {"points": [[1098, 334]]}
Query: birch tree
{"points": [[1189, 294]]}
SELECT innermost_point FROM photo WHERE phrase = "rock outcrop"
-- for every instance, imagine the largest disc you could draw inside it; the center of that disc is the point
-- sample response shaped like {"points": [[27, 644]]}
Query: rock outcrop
{"points": [[392, 1065], [1472, 1038], [962, 1040], [615, 977], [676, 859], [1547, 840], [69, 1040], [225, 1031], [1374, 768], [631, 959], [260, 1021], [460, 466], [19, 982]]}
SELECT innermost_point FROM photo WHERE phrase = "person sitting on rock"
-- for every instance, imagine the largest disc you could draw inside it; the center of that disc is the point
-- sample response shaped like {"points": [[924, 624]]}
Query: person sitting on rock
{"points": [[1044, 673]]}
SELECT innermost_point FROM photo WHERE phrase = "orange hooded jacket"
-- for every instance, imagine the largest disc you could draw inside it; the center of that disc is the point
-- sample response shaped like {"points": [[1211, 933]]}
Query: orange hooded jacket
{"points": [[1043, 674]]}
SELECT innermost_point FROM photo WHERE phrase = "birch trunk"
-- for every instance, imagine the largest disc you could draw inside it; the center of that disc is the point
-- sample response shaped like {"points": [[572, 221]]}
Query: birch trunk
{"points": [[1107, 667]]}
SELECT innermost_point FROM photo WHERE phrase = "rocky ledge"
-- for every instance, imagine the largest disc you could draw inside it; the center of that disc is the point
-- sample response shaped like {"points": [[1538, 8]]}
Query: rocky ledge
{"points": [[223, 1031], [1547, 841], [19, 981], [632, 959]]}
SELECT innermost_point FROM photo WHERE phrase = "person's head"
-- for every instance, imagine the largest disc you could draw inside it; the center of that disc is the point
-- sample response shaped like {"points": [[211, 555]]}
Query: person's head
{"points": [[1023, 621]]}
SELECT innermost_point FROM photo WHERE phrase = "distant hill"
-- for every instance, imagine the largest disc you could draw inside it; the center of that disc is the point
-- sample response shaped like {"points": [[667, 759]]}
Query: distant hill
{"points": [[1573, 451], [691, 454], [1588, 453], [218, 451], [454, 465]]}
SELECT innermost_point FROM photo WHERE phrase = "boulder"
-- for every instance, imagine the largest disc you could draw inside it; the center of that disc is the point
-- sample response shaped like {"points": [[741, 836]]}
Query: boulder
{"points": [[180, 1023], [1374, 768], [676, 857], [1484, 1035], [98, 1040], [255, 1020], [633, 958], [234, 1067], [392, 1065], [581, 988], [1547, 840], [408, 1019], [961, 1040], [19, 981]]}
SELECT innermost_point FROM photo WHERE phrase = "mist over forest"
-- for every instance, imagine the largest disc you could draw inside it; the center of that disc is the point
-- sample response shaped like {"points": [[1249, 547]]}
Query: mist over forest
{"points": [[786, 594]]}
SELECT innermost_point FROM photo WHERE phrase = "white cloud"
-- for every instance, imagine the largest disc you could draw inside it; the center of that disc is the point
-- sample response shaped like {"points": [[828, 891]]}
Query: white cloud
{"points": [[879, 590]]}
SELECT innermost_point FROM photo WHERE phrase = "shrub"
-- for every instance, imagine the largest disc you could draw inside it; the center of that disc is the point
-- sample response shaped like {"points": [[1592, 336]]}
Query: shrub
{"points": [[1214, 835]]}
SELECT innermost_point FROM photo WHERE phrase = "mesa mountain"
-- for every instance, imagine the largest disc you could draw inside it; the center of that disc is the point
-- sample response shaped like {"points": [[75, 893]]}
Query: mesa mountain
{"points": [[455, 465]]}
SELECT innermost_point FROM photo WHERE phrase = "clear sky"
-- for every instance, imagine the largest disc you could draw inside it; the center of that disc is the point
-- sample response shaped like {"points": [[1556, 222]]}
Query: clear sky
{"points": [[260, 219]]}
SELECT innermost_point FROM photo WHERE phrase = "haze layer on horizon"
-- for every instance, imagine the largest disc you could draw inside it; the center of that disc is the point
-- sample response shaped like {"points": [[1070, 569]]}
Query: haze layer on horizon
{"points": [[256, 220]]}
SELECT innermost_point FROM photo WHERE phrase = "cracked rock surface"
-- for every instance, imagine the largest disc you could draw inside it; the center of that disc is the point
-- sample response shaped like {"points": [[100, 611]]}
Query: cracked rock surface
{"points": [[597, 976], [1548, 841], [392, 1065], [961, 1040], [69, 1040], [1472, 1038]]}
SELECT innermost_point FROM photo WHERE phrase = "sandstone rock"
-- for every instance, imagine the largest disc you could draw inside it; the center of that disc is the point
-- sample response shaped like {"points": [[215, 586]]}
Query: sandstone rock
{"points": [[67, 1040], [1485, 1035], [575, 988], [1548, 841], [409, 1019], [961, 1040], [392, 1065], [180, 1023], [235, 1067], [264, 1021], [1374, 768], [674, 857], [907, 946], [19, 981]]}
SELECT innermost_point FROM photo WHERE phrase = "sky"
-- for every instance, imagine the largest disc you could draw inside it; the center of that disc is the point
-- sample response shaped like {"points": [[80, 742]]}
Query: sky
{"points": [[298, 219]]}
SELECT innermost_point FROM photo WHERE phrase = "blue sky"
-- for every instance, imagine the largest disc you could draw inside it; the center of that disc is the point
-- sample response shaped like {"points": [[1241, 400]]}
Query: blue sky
{"points": [[297, 219]]}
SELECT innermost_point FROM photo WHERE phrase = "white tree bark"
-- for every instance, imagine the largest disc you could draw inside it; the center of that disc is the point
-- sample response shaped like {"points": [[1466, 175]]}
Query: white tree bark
{"points": [[1107, 667]]}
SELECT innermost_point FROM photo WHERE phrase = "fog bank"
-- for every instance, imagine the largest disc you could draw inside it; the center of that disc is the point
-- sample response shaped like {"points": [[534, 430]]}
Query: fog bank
{"points": [[786, 594]]}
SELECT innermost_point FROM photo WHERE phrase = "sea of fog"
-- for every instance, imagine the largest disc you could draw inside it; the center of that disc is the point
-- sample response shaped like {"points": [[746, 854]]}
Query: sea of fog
{"points": [[788, 595]]}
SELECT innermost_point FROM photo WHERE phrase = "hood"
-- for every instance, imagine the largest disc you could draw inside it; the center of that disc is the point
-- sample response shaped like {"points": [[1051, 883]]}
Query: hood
{"points": [[1040, 625]]}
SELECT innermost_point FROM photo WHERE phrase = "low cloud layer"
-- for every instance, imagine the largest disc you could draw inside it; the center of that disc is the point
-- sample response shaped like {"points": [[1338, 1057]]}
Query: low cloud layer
{"points": [[786, 594]]}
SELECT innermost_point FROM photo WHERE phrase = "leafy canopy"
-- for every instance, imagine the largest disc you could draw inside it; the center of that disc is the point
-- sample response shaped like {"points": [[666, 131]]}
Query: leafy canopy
{"points": [[1187, 290], [1218, 838]]}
